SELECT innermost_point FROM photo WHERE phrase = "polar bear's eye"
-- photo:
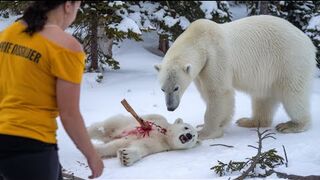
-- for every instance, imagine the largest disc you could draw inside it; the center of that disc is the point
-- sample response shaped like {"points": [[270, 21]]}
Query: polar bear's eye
{"points": [[176, 89], [186, 128], [162, 89]]}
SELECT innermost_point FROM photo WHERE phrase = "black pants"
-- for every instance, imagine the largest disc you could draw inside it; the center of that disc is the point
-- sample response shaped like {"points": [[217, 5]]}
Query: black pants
{"points": [[28, 159]]}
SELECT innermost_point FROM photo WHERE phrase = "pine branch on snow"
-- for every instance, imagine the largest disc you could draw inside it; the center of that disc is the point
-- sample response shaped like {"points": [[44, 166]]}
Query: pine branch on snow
{"points": [[266, 161]]}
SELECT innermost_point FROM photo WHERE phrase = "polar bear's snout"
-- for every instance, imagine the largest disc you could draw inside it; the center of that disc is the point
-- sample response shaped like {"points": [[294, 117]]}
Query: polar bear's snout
{"points": [[185, 138], [172, 101], [189, 136]]}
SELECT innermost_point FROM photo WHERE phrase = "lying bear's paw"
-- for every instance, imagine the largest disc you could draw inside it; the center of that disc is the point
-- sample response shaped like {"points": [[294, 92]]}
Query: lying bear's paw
{"points": [[128, 156]]}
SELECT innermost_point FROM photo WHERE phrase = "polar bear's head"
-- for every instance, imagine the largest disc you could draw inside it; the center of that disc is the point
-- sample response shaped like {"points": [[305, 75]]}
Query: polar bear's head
{"points": [[174, 81], [181, 64], [182, 135]]}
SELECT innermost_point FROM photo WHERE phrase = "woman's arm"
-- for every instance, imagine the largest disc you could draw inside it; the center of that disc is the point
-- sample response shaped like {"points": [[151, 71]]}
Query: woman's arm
{"points": [[68, 98]]}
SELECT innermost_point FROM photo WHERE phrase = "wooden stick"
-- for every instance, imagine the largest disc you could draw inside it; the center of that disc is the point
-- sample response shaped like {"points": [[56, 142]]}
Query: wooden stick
{"points": [[285, 155], [131, 111], [228, 146]]}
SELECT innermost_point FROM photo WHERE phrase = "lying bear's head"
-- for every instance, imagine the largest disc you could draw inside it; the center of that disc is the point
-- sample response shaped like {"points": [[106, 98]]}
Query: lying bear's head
{"points": [[182, 135]]}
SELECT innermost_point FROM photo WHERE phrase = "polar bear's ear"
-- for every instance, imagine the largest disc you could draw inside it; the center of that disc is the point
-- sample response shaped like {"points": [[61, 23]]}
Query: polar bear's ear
{"points": [[178, 121], [187, 68], [157, 67]]}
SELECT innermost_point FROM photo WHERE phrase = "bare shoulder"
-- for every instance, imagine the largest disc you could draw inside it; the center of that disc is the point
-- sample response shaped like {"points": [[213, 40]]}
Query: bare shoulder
{"points": [[72, 43], [62, 39]]}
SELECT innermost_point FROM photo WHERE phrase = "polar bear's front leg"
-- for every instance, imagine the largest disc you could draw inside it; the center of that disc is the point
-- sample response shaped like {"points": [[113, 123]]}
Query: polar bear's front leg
{"points": [[218, 113], [110, 149]]}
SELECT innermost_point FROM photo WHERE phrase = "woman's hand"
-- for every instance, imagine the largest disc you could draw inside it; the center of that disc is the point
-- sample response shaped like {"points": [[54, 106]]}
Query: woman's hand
{"points": [[96, 165]]}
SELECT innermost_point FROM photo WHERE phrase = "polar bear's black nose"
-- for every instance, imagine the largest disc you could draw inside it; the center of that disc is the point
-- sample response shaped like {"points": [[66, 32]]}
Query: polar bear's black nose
{"points": [[189, 136]]}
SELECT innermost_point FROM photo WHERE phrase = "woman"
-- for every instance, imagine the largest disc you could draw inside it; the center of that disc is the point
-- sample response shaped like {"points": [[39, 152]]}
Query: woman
{"points": [[41, 68]]}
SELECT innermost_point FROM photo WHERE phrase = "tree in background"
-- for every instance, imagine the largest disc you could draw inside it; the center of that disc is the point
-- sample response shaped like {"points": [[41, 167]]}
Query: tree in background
{"points": [[257, 7], [313, 31], [299, 13], [99, 26], [175, 16], [8, 8], [170, 18]]}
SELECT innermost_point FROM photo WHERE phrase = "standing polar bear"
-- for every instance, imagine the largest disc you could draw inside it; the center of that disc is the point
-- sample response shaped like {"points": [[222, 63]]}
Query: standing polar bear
{"points": [[122, 138], [264, 56]]}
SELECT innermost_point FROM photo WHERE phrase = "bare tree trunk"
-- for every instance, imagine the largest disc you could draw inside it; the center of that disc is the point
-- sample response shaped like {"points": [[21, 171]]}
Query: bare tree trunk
{"points": [[104, 42], [94, 44], [109, 43], [264, 7], [163, 43]]}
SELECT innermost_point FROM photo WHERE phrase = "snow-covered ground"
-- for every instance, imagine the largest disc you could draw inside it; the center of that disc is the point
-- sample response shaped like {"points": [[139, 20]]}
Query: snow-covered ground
{"points": [[136, 81]]}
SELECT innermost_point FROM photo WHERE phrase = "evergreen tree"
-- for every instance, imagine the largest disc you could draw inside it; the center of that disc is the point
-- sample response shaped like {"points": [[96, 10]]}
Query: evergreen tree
{"points": [[313, 31], [257, 7], [99, 25], [8, 8], [299, 13], [185, 12], [171, 18]]}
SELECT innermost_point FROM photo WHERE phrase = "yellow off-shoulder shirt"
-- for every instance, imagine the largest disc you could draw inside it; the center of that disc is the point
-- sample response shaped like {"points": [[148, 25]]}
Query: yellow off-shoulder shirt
{"points": [[29, 67]]}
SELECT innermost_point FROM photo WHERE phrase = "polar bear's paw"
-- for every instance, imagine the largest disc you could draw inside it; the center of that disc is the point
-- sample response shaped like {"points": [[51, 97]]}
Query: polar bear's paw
{"points": [[250, 123], [128, 156], [209, 134], [291, 127]]}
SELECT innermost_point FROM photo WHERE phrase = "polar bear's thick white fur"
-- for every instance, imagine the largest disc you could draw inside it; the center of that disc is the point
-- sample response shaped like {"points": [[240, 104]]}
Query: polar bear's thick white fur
{"points": [[120, 137], [265, 56]]}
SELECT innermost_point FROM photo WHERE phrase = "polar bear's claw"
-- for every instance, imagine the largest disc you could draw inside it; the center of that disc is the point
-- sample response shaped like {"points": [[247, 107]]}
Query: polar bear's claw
{"points": [[291, 127], [204, 134], [128, 156], [250, 123]]}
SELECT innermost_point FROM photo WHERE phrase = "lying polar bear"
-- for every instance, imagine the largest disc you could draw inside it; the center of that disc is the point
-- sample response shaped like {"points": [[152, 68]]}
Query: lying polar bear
{"points": [[122, 138]]}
